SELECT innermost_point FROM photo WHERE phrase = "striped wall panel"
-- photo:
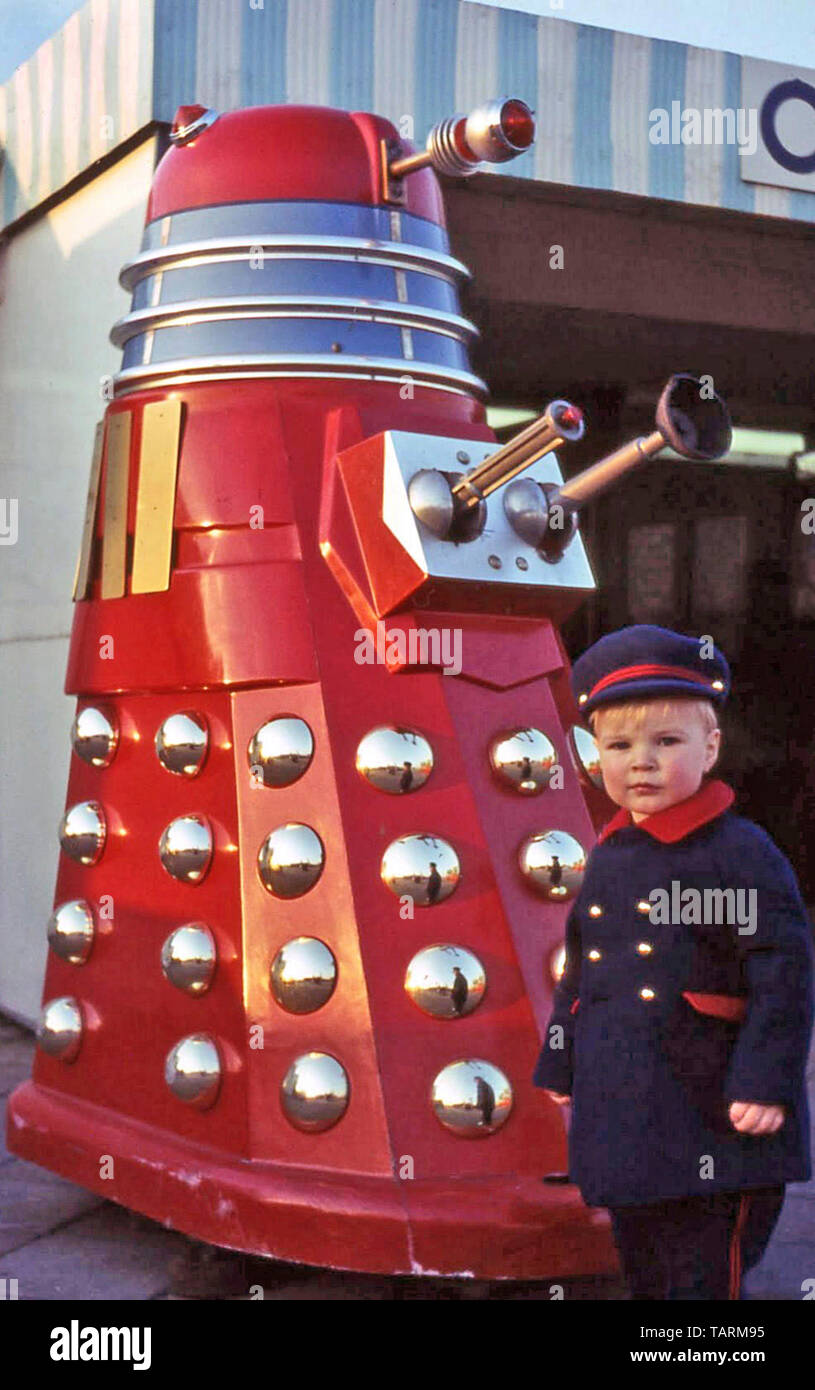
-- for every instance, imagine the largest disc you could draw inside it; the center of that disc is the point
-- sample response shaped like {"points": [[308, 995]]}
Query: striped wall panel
{"points": [[86, 90], [117, 64]]}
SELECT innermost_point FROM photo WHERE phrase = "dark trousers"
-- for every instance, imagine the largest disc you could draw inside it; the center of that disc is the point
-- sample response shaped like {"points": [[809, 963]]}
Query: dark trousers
{"points": [[695, 1247]]}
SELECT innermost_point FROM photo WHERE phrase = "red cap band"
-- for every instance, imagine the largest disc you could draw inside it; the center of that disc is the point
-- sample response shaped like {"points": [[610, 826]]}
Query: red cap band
{"points": [[627, 673]]}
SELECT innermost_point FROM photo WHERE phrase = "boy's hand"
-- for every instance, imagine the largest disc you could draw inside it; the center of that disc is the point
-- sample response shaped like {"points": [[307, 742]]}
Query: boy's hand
{"points": [[751, 1118], [557, 1097]]}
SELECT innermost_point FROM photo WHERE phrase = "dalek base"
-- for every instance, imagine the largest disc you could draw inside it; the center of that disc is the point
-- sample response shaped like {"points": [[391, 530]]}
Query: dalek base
{"points": [[482, 1228]]}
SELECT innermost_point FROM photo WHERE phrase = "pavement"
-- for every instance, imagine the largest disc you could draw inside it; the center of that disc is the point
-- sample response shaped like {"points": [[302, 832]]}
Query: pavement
{"points": [[59, 1241]]}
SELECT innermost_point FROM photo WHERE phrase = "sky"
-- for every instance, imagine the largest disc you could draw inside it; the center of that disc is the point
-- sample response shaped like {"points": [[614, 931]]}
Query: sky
{"points": [[781, 30]]}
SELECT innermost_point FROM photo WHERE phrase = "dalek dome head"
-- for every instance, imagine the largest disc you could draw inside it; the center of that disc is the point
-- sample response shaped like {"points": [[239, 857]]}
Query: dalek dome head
{"points": [[279, 242], [283, 153]]}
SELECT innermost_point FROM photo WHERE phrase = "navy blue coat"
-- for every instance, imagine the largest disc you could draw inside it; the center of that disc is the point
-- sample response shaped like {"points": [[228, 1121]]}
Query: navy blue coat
{"points": [[650, 1076]]}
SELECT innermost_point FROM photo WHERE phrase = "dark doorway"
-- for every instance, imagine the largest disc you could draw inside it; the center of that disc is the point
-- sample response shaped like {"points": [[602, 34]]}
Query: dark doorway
{"points": [[720, 550]]}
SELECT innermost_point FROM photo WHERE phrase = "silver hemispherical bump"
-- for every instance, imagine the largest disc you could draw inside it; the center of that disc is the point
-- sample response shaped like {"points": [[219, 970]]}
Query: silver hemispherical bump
{"points": [[280, 751], [82, 832], [394, 759], [557, 962], [314, 1092], [181, 743], [303, 975], [59, 1031], [71, 931], [94, 736], [192, 1070], [471, 1098], [185, 848], [446, 981], [586, 755], [422, 867], [527, 511], [189, 956], [431, 500], [291, 860], [553, 863], [522, 759]]}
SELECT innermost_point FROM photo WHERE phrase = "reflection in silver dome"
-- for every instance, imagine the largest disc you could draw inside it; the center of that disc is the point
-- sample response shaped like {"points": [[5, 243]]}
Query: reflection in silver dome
{"points": [[185, 848], [446, 981], [71, 931], [82, 832], [303, 975], [188, 958], [94, 736], [395, 760], [422, 867], [472, 1098], [59, 1031], [181, 743], [315, 1091], [290, 860], [280, 751], [193, 1070], [586, 755], [553, 863], [522, 759]]}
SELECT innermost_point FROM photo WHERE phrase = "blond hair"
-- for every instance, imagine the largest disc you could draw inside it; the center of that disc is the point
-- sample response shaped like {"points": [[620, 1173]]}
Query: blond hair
{"points": [[635, 711]]}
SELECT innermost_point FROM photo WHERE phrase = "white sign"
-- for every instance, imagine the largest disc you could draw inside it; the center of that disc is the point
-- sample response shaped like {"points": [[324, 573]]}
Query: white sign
{"points": [[784, 98]]}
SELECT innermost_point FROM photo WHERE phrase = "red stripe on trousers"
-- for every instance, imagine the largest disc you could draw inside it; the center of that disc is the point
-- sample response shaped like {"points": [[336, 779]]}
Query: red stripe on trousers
{"points": [[735, 1247]]}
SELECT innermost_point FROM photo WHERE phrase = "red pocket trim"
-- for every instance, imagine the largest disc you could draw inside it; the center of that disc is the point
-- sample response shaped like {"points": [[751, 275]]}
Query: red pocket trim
{"points": [[729, 1006], [573, 1009]]}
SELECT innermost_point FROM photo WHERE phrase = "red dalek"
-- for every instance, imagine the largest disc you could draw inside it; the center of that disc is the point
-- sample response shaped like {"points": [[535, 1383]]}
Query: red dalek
{"points": [[329, 799]]}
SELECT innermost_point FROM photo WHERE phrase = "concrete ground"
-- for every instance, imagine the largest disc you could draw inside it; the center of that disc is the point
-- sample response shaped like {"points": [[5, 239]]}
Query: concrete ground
{"points": [[59, 1241]]}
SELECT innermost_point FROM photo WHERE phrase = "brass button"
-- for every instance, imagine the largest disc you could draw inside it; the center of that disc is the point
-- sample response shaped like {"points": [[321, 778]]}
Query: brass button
{"points": [[594, 954], [644, 947], [646, 993], [581, 699], [595, 910], [644, 906]]}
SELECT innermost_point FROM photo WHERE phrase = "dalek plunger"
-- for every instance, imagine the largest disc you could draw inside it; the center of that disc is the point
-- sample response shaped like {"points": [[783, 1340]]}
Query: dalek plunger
{"points": [[329, 798]]}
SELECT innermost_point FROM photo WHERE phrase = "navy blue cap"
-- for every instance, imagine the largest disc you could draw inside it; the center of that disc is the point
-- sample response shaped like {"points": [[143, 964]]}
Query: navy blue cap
{"points": [[641, 662]]}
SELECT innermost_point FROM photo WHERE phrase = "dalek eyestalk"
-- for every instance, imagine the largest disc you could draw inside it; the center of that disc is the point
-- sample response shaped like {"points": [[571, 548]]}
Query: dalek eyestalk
{"points": [[493, 133], [560, 422]]}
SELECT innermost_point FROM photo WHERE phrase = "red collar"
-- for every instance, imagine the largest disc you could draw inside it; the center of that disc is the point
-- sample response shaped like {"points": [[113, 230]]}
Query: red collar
{"points": [[679, 820]]}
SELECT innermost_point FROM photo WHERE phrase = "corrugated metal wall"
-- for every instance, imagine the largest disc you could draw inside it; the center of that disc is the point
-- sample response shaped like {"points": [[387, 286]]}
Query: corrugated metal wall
{"points": [[120, 63]]}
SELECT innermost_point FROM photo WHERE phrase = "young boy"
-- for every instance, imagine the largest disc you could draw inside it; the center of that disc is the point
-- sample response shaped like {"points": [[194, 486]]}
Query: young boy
{"points": [[681, 1023]]}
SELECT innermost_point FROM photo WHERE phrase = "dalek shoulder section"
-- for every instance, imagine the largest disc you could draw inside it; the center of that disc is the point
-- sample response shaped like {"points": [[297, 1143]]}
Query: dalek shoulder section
{"points": [[408, 495]]}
